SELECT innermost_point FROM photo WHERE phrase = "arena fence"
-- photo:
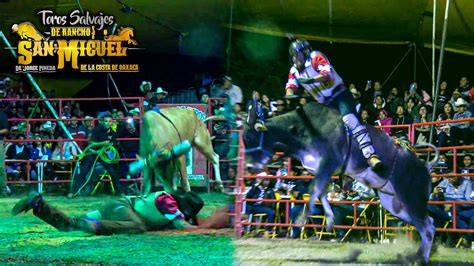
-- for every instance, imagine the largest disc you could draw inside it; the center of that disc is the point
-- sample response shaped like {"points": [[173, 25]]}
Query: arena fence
{"points": [[59, 103]]}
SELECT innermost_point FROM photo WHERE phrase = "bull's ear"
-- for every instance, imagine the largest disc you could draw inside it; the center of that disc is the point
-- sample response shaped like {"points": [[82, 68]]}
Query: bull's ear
{"points": [[259, 127]]}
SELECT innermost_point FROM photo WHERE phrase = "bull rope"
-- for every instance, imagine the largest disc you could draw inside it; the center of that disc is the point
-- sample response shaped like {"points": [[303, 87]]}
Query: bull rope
{"points": [[175, 164], [174, 126]]}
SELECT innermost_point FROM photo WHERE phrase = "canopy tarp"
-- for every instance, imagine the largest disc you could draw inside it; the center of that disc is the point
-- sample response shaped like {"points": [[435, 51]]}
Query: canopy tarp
{"points": [[159, 23]]}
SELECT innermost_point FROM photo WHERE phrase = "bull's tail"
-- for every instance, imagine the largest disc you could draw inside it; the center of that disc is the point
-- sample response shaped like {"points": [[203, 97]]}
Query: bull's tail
{"points": [[430, 164]]}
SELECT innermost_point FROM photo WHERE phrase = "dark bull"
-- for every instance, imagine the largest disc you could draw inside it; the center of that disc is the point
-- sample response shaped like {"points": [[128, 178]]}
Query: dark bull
{"points": [[316, 136]]}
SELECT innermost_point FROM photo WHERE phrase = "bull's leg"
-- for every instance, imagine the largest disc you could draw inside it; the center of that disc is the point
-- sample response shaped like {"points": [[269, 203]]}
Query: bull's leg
{"points": [[426, 229], [203, 143], [217, 171], [423, 223], [184, 174], [319, 191]]}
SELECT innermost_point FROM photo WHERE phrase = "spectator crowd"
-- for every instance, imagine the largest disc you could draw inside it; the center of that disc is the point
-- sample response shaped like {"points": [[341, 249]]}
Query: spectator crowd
{"points": [[376, 106]]}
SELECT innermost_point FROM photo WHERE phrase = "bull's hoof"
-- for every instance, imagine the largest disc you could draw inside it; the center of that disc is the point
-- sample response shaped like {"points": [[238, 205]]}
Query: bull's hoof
{"points": [[410, 259], [329, 223]]}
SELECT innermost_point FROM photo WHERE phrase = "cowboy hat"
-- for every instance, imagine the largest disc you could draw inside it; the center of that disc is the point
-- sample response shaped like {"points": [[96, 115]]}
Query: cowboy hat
{"points": [[142, 86], [160, 90], [460, 102]]}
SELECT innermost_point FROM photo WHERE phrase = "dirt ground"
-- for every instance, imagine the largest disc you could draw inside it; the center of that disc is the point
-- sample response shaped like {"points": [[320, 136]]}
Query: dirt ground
{"points": [[313, 252], [27, 239]]}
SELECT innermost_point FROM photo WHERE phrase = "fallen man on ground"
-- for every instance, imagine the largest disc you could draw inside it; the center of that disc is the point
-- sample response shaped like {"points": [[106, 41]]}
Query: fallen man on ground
{"points": [[126, 215]]}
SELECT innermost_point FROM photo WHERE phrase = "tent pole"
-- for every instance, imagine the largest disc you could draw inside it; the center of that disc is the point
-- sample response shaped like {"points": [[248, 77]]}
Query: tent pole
{"points": [[440, 64], [330, 21], [414, 63], [42, 96]]}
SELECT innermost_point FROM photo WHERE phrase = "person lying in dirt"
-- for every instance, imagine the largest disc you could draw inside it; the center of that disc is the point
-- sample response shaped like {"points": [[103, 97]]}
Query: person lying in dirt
{"points": [[126, 215]]}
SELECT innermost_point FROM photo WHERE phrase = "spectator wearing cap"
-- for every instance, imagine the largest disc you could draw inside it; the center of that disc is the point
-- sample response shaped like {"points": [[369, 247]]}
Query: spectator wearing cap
{"points": [[4, 131], [158, 97], [66, 113], [88, 124], [145, 88], [461, 129], [234, 91], [5, 83], [135, 112]]}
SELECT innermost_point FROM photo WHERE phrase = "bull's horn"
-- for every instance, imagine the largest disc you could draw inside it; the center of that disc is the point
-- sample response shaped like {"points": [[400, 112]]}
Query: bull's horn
{"points": [[260, 127], [15, 27], [214, 117]]}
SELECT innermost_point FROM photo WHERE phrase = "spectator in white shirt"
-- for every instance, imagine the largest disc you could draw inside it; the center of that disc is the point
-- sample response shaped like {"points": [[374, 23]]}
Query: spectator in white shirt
{"points": [[234, 91]]}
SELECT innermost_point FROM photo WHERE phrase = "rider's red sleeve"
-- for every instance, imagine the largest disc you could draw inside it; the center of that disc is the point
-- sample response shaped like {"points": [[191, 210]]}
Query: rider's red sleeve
{"points": [[292, 83], [321, 64]]}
